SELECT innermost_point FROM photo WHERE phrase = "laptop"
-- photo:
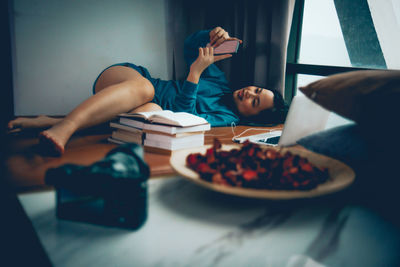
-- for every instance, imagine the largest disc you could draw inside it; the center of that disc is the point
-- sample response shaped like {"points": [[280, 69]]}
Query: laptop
{"points": [[304, 118]]}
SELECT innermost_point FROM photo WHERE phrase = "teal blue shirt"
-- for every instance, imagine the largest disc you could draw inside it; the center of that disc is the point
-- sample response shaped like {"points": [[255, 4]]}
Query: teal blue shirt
{"points": [[210, 98]]}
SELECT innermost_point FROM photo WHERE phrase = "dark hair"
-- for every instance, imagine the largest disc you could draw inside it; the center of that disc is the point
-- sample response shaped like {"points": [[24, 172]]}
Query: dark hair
{"points": [[275, 115]]}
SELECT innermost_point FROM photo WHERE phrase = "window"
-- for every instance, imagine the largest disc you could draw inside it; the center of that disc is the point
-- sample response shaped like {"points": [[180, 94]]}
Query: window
{"points": [[332, 36]]}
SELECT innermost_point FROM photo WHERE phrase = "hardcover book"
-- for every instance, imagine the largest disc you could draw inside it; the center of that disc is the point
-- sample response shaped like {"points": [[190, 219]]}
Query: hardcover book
{"points": [[127, 136], [181, 119], [165, 121]]}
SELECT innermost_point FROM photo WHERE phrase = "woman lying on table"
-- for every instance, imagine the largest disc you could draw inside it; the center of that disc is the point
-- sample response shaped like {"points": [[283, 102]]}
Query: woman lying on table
{"points": [[126, 87]]}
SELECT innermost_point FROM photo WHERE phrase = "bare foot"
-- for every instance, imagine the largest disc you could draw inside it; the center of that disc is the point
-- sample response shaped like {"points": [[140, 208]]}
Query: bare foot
{"points": [[50, 143], [41, 121], [57, 136]]}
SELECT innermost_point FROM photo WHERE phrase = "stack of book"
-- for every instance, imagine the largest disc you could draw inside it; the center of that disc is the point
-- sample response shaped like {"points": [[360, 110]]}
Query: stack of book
{"points": [[160, 131], [125, 134]]}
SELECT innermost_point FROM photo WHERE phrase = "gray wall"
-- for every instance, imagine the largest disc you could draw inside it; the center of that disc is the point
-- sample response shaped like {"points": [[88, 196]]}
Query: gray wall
{"points": [[61, 46]]}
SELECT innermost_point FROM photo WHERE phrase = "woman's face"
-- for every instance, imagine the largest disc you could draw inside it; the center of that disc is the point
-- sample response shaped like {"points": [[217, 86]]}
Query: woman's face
{"points": [[251, 100]]}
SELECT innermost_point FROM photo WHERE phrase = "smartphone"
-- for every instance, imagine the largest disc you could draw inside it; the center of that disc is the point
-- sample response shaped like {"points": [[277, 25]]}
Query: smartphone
{"points": [[227, 47]]}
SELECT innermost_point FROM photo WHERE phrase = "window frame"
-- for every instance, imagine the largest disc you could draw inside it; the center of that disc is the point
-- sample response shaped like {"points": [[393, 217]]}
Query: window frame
{"points": [[293, 67]]}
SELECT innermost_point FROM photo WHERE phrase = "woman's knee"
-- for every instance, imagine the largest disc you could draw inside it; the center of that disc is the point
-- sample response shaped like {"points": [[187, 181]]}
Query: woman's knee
{"points": [[146, 108], [141, 88], [148, 89]]}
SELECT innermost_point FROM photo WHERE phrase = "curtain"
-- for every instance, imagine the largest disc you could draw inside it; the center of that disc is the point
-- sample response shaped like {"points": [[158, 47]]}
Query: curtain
{"points": [[6, 91], [263, 25]]}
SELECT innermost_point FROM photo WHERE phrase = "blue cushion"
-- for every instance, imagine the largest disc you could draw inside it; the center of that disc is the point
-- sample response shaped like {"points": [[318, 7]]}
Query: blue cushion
{"points": [[344, 143]]}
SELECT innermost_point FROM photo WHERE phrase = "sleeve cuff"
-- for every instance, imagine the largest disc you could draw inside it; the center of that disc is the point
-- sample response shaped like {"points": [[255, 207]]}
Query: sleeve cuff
{"points": [[189, 88]]}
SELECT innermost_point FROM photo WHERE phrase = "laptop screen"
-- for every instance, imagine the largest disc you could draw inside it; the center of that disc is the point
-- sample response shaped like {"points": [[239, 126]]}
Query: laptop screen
{"points": [[304, 118]]}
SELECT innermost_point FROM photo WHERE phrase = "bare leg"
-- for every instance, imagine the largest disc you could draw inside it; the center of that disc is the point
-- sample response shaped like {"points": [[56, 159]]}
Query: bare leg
{"points": [[119, 89], [41, 121], [147, 107]]}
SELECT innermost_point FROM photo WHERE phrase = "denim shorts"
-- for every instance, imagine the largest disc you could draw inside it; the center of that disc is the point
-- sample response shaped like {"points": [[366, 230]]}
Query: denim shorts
{"points": [[142, 70]]}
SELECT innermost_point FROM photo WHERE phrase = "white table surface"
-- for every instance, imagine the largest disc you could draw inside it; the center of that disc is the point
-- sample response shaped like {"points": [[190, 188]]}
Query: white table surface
{"points": [[191, 226]]}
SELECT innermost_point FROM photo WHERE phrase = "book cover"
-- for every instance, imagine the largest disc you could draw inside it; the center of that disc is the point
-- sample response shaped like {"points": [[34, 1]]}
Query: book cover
{"points": [[115, 141], [173, 135], [227, 47], [163, 128], [127, 136], [125, 127], [177, 130], [131, 123], [172, 146], [197, 138], [181, 119]]}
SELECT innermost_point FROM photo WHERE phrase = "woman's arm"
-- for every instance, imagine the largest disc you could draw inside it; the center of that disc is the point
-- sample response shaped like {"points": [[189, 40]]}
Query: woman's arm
{"points": [[214, 37], [185, 100], [206, 58]]}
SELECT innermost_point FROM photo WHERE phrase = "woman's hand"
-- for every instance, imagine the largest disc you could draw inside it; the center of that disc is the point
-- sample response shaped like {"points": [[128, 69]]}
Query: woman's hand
{"points": [[219, 35], [206, 58]]}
